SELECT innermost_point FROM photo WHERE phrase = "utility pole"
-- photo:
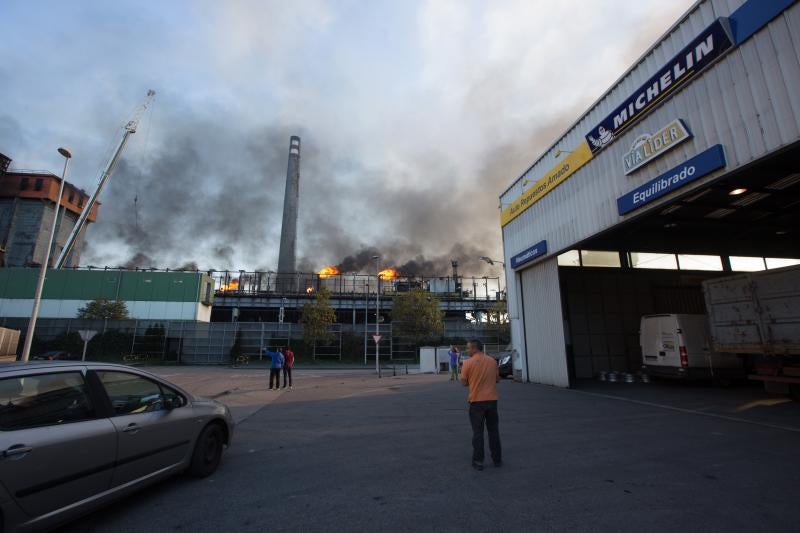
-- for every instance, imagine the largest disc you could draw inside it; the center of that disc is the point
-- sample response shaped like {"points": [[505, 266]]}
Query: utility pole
{"points": [[37, 299], [377, 337]]}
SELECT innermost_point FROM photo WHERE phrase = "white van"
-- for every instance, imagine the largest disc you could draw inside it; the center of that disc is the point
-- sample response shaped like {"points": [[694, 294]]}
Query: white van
{"points": [[678, 345]]}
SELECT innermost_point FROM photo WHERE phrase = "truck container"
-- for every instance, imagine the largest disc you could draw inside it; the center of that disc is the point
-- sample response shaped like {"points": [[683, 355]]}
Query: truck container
{"points": [[757, 316]]}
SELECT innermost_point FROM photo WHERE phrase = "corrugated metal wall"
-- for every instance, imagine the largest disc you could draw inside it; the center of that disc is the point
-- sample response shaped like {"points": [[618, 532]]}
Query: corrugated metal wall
{"points": [[748, 102], [544, 326]]}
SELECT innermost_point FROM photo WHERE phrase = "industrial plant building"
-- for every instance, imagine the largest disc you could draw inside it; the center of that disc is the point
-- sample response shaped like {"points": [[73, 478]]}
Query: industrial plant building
{"points": [[27, 208], [687, 168], [196, 316]]}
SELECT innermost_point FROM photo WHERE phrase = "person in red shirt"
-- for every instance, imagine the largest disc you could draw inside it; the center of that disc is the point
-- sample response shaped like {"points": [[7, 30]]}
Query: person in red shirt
{"points": [[480, 374], [288, 355]]}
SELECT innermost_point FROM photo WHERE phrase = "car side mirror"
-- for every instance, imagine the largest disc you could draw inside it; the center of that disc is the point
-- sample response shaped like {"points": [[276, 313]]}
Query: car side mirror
{"points": [[169, 404]]}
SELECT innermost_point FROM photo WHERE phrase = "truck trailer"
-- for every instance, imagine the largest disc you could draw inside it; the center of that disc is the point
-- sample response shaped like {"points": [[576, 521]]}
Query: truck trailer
{"points": [[757, 316]]}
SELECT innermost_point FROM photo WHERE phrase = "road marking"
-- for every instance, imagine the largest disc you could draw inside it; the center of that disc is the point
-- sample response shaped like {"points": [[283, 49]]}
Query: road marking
{"points": [[688, 411]]}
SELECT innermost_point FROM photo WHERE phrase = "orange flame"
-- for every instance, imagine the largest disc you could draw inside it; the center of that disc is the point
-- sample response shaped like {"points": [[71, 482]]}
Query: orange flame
{"points": [[328, 271], [309, 290], [388, 274], [232, 286]]}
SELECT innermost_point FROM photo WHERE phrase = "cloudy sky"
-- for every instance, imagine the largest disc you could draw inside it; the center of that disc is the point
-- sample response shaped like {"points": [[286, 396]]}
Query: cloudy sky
{"points": [[413, 115]]}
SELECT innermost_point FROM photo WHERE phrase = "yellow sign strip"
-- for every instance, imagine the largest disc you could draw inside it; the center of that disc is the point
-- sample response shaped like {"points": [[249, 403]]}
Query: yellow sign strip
{"points": [[552, 179]]}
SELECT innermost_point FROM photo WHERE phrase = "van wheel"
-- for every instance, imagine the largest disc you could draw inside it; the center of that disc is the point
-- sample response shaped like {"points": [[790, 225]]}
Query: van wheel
{"points": [[207, 452]]}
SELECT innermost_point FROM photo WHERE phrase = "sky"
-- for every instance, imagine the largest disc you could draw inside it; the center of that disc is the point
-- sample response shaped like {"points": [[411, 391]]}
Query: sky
{"points": [[414, 116]]}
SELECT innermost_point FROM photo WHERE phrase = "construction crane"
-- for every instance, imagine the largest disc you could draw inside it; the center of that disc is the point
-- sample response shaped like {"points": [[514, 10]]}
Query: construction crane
{"points": [[130, 129]]}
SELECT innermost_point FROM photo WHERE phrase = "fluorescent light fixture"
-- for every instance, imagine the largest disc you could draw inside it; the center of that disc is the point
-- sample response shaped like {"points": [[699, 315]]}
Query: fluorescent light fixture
{"points": [[737, 192]]}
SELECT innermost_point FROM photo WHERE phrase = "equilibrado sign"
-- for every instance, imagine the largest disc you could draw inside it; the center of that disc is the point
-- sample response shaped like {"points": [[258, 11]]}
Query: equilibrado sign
{"points": [[648, 147], [675, 178], [696, 56]]}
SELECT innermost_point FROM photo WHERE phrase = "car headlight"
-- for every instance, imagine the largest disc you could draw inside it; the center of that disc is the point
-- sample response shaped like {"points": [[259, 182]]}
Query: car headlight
{"points": [[505, 360]]}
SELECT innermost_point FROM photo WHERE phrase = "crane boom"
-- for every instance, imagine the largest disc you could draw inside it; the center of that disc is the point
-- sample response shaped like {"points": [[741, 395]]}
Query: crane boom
{"points": [[130, 129]]}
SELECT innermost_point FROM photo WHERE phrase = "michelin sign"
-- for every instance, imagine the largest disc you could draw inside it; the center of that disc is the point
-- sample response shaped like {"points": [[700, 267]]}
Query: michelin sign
{"points": [[696, 56]]}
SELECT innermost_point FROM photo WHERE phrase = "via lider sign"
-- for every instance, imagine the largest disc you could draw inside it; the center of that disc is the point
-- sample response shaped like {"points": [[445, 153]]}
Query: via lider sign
{"points": [[648, 147]]}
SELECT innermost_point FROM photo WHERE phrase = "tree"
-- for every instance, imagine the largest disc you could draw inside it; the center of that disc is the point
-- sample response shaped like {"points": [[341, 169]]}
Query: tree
{"points": [[317, 318], [497, 320], [104, 309], [416, 314]]}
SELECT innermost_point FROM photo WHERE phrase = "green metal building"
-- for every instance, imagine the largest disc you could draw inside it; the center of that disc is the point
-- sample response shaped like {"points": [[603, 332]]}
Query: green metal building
{"points": [[148, 295]]}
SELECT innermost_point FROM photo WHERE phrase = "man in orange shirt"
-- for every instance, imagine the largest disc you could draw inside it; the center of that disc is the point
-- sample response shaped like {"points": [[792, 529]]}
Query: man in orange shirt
{"points": [[481, 375]]}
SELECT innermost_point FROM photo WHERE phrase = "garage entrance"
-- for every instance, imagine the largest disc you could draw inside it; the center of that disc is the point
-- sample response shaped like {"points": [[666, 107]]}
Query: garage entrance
{"points": [[655, 263]]}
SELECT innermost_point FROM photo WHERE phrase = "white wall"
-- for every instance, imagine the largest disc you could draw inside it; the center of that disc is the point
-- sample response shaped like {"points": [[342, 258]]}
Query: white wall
{"points": [[137, 310], [544, 326]]}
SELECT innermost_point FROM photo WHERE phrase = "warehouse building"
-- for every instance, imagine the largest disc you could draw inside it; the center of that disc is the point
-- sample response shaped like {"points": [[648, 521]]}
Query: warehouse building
{"points": [[687, 168]]}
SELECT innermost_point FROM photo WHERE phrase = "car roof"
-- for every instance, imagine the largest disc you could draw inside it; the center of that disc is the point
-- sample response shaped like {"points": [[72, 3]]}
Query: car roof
{"points": [[32, 365]]}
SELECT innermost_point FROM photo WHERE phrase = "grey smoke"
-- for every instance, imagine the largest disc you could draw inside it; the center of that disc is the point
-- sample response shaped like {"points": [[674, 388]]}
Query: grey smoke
{"points": [[212, 198]]}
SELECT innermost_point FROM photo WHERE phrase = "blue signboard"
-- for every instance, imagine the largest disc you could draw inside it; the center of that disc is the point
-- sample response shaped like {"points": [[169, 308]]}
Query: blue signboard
{"points": [[697, 55], [529, 254], [673, 179]]}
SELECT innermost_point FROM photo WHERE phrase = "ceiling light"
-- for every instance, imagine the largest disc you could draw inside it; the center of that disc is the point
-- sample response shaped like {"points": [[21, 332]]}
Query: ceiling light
{"points": [[737, 192], [671, 225], [781, 232]]}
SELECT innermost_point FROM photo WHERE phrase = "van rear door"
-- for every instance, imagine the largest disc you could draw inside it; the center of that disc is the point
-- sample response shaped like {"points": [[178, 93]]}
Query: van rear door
{"points": [[669, 353], [659, 341]]}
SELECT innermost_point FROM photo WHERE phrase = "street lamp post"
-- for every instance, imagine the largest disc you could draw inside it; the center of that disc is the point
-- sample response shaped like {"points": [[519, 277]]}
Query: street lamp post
{"points": [[377, 259], [26, 350], [490, 260]]}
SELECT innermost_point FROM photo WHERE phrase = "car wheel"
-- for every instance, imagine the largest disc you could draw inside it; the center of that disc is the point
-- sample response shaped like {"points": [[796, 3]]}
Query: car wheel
{"points": [[207, 452]]}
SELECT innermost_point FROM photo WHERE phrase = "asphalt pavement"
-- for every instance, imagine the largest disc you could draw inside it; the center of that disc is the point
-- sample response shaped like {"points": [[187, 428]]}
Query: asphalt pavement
{"points": [[348, 452]]}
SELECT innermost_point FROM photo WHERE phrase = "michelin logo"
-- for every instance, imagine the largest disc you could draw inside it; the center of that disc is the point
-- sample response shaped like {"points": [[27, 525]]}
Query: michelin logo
{"points": [[604, 137]]}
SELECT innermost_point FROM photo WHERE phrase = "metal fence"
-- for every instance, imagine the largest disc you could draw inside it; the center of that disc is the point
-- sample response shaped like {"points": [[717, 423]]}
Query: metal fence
{"points": [[212, 343]]}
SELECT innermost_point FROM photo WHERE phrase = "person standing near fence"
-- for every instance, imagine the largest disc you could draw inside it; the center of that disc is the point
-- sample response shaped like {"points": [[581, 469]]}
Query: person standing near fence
{"points": [[288, 364], [455, 355], [275, 368], [480, 374]]}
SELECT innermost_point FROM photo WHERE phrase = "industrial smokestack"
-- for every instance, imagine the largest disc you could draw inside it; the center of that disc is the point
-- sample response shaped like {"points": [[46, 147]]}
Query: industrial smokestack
{"points": [[287, 257]]}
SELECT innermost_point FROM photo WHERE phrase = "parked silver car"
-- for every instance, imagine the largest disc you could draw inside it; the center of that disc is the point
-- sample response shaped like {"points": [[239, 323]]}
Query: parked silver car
{"points": [[74, 436]]}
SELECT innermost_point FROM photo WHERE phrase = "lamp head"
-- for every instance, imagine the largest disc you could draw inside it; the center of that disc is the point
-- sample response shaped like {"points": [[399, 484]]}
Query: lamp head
{"points": [[66, 153]]}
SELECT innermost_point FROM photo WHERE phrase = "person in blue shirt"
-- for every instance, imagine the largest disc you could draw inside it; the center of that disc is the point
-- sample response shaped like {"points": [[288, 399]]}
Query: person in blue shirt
{"points": [[275, 368], [454, 356]]}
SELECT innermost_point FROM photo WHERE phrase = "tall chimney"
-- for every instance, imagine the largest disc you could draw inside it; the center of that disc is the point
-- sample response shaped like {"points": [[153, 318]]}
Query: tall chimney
{"points": [[287, 257]]}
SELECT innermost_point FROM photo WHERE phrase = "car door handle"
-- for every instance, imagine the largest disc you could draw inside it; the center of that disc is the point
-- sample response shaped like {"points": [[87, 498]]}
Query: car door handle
{"points": [[132, 428], [17, 450]]}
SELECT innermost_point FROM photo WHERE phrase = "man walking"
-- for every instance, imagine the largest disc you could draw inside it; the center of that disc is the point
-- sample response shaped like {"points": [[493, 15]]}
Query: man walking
{"points": [[275, 368], [288, 364], [481, 375]]}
